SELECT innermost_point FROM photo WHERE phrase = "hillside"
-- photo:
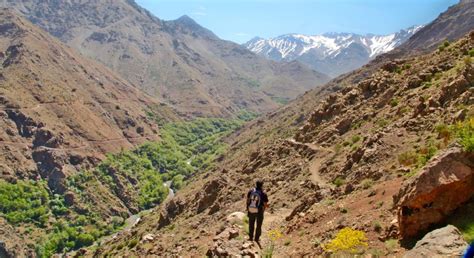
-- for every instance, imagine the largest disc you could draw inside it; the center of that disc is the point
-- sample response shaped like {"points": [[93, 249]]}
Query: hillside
{"points": [[180, 62], [330, 53], [60, 114], [363, 146], [60, 110], [450, 25]]}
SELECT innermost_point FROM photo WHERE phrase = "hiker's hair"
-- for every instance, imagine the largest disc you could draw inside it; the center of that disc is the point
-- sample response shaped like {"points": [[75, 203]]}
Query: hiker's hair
{"points": [[259, 184]]}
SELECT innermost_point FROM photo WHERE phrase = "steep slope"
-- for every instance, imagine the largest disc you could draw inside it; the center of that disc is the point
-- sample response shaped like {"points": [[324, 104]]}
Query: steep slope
{"points": [[178, 61], [340, 170], [55, 102], [60, 113], [331, 53], [450, 25]]}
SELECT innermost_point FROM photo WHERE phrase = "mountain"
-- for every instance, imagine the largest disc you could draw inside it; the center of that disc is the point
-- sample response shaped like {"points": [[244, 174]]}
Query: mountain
{"points": [[180, 62], [60, 110], [60, 114], [331, 53], [450, 25], [350, 154], [365, 151]]}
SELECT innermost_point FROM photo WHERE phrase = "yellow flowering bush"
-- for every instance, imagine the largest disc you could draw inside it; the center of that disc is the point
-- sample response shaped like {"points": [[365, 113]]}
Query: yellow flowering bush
{"points": [[347, 240], [274, 235]]}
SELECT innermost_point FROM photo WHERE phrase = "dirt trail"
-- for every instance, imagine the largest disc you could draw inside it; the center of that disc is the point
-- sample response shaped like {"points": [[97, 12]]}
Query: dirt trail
{"points": [[315, 165]]}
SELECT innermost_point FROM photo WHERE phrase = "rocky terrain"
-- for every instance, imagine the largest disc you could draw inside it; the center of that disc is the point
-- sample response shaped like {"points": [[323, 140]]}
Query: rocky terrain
{"points": [[382, 155], [450, 25], [330, 53], [377, 151], [180, 62], [61, 114]]}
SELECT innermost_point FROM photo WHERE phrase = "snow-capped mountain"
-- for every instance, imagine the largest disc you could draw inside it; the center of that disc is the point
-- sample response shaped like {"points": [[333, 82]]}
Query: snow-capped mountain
{"points": [[330, 53]]}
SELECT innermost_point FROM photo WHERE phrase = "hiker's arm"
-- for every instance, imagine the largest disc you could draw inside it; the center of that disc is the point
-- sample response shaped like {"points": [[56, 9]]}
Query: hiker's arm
{"points": [[247, 202]]}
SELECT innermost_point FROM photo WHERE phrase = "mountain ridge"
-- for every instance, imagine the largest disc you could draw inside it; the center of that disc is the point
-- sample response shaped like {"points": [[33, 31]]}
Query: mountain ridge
{"points": [[333, 53], [180, 62]]}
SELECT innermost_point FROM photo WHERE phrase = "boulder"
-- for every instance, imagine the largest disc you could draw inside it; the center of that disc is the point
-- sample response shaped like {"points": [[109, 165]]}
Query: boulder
{"points": [[443, 185], [209, 194], [443, 242]]}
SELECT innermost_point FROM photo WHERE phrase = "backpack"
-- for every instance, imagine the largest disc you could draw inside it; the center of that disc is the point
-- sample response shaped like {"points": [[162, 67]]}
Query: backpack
{"points": [[254, 201]]}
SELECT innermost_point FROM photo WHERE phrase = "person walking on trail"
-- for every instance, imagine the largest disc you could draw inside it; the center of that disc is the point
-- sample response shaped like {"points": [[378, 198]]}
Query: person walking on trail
{"points": [[257, 201]]}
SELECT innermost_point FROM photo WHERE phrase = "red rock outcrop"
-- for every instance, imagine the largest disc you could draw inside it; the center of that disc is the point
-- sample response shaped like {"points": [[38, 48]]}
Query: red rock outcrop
{"points": [[442, 186]]}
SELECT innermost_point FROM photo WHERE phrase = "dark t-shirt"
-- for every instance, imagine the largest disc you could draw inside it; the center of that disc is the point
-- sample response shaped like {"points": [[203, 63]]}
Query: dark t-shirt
{"points": [[263, 195]]}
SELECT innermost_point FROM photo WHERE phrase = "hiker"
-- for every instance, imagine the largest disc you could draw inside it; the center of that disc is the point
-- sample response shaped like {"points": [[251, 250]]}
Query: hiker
{"points": [[257, 201]]}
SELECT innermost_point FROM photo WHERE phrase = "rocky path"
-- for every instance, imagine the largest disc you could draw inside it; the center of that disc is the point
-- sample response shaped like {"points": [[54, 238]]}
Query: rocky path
{"points": [[316, 162]]}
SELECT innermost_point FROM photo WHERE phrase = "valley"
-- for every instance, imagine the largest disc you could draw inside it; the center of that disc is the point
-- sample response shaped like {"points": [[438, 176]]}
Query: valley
{"points": [[126, 135]]}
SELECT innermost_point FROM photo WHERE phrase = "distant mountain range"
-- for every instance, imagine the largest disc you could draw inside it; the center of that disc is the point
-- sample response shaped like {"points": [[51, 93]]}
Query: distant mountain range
{"points": [[178, 62], [330, 53]]}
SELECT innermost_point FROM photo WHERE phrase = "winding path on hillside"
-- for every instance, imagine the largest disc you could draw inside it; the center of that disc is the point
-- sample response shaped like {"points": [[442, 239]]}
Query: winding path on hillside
{"points": [[316, 162]]}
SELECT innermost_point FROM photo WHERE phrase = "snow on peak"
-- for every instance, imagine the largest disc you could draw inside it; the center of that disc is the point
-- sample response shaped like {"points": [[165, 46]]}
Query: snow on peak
{"points": [[292, 46]]}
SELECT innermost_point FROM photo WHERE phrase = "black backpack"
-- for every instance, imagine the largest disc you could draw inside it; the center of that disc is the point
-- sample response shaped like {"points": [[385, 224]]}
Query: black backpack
{"points": [[255, 200]]}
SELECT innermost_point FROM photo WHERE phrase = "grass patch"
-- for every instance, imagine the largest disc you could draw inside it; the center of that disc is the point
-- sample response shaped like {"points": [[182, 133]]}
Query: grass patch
{"points": [[355, 139], [394, 102], [367, 183], [339, 181], [464, 132], [391, 244]]}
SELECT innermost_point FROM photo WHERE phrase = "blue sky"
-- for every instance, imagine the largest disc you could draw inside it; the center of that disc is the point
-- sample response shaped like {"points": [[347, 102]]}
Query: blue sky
{"points": [[241, 20]]}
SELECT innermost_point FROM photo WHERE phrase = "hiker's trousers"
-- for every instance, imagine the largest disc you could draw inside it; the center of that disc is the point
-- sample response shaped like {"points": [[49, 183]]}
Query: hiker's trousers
{"points": [[255, 217]]}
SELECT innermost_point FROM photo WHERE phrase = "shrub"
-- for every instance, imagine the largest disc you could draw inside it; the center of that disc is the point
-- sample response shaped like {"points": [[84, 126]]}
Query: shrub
{"points": [[464, 132], [444, 132], [367, 183], [84, 239], [391, 244], [338, 181], [355, 139], [273, 236], [377, 227], [394, 102], [347, 240], [426, 85], [24, 201], [426, 153], [408, 158], [132, 243], [438, 75], [471, 53], [467, 60], [382, 122]]}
